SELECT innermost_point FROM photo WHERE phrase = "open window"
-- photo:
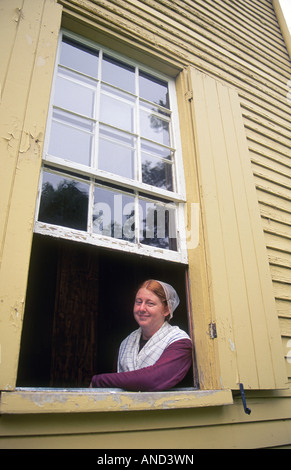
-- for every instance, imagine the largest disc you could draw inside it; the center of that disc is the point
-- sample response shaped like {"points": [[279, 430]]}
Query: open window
{"points": [[79, 308], [110, 214]]}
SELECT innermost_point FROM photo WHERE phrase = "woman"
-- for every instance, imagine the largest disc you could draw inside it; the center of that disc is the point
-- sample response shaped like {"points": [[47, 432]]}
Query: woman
{"points": [[156, 356]]}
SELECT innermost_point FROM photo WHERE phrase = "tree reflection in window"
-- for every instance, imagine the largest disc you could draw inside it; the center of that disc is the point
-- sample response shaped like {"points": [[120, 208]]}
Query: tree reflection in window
{"points": [[157, 174], [64, 202]]}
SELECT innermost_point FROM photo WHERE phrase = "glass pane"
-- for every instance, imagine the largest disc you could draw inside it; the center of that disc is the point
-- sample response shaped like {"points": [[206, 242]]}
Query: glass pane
{"points": [[157, 172], [154, 128], [153, 89], [116, 112], [113, 214], [158, 225], [114, 134], [64, 201], [71, 143], [71, 119], [118, 74], [156, 149], [74, 97], [116, 153], [80, 58], [155, 109]]}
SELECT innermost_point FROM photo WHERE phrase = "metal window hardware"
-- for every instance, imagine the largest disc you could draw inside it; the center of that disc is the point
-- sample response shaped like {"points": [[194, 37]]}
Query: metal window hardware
{"points": [[243, 397], [189, 95], [212, 330]]}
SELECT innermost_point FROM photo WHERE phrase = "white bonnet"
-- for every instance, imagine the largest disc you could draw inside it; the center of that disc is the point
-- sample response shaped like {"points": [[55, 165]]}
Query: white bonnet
{"points": [[171, 296]]}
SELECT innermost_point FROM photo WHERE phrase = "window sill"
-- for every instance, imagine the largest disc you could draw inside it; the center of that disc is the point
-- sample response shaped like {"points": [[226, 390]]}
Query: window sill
{"points": [[95, 239], [30, 400]]}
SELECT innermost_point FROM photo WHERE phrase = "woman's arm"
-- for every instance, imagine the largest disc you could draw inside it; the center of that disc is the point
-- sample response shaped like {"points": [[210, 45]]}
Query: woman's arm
{"points": [[167, 372]]}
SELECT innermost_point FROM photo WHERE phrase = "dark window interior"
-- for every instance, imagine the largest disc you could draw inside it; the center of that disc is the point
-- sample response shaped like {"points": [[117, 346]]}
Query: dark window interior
{"points": [[79, 308]]}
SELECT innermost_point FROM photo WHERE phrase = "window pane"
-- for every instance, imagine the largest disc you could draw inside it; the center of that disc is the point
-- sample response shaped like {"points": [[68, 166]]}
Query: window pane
{"points": [[158, 224], [74, 97], [80, 58], [113, 214], [157, 172], [153, 89], [71, 143], [116, 112], [64, 201], [154, 128], [71, 119], [155, 109], [156, 149], [118, 74], [116, 152]]}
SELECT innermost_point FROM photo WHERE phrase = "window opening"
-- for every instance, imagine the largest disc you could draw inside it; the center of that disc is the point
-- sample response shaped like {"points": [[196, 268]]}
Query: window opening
{"points": [[79, 307]]}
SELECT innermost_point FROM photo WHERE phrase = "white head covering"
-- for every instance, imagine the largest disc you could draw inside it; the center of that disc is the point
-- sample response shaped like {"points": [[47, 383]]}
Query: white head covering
{"points": [[171, 296]]}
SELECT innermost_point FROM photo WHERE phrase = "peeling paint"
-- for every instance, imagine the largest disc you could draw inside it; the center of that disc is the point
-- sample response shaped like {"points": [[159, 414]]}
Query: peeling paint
{"points": [[12, 136], [30, 143], [18, 15], [88, 400], [41, 61], [16, 314]]}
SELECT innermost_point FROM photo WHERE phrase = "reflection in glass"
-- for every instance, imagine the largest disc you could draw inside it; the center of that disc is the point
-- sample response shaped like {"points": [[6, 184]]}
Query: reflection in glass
{"points": [[153, 89], [71, 119], [158, 225], [64, 201], [79, 57], [74, 97], [68, 142], [116, 152], [154, 128], [118, 73], [117, 112], [157, 172], [113, 214], [155, 149], [155, 109]]}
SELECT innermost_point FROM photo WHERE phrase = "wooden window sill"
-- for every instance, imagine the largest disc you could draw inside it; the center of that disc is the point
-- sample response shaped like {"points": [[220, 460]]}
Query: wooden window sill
{"points": [[44, 400]]}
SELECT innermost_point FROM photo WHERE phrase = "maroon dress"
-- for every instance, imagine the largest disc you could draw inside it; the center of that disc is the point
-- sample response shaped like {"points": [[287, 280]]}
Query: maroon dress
{"points": [[169, 370]]}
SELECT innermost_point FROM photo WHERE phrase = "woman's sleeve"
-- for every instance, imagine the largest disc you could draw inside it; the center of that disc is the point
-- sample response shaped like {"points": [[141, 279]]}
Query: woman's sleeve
{"points": [[167, 372]]}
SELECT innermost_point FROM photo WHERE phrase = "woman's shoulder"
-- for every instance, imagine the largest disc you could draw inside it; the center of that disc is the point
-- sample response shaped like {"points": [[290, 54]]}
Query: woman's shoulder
{"points": [[177, 333]]}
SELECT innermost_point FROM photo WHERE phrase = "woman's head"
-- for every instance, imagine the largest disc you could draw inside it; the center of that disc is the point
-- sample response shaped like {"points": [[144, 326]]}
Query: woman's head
{"points": [[150, 308], [166, 294], [156, 288]]}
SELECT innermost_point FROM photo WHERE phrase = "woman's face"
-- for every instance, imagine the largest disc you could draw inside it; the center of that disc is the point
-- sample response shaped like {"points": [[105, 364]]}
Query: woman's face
{"points": [[149, 312]]}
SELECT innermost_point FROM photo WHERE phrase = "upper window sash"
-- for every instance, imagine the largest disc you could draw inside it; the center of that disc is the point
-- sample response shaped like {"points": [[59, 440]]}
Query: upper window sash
{"points": [[91, 117], [112, 121]]}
